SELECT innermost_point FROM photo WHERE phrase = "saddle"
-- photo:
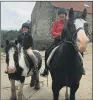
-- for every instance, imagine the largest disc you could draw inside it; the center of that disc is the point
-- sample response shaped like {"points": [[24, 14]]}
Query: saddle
{"points": [[53, 52]]}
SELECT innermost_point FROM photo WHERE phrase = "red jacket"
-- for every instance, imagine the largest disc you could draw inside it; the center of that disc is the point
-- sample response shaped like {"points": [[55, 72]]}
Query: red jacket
{"points": [[57, 28]]}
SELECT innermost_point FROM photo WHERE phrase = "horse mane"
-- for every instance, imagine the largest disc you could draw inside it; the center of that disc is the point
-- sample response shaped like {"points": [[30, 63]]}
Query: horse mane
{"points": [[10, 45]]}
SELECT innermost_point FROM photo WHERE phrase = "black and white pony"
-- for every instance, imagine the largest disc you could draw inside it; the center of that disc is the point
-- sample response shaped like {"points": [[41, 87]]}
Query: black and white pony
{"points": [[66, 64], [20, 66]]}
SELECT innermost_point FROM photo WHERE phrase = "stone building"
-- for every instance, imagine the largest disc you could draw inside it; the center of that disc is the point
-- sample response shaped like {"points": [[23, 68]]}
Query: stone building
{"points": [[44, 13]]}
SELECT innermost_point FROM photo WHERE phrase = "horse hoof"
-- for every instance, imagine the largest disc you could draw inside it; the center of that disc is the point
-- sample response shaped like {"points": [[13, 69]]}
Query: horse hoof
{"points": [[37, 87], [67, 98], [31, 85], [13, 98]]}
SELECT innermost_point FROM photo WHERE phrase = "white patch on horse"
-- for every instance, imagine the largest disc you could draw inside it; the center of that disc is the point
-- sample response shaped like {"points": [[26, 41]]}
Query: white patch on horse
{"points": [[23, 65], [79, 23], [82, 39], [11, 59]]}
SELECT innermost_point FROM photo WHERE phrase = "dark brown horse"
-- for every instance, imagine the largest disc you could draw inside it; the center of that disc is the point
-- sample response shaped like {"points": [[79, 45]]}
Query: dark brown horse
{"points": [[66, 65]]}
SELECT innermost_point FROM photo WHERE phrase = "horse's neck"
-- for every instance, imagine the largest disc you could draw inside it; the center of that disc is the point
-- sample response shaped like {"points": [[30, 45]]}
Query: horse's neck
{"points": [[66, 49]]}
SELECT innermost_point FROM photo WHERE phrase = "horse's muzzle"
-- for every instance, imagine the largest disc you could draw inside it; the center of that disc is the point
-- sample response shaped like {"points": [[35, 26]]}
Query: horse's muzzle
{"points": [[11, 69]]}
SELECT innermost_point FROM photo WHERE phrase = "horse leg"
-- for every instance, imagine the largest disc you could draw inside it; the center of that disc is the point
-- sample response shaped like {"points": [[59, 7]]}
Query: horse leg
{"points": [[66, 94], [20, 92], [32, 83], [37, 84], [73, 90], [13, 90], [55, 89]]}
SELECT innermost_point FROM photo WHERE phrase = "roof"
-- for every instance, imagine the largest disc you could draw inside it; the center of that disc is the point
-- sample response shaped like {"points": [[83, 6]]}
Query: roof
{"points": [[76, 5]]}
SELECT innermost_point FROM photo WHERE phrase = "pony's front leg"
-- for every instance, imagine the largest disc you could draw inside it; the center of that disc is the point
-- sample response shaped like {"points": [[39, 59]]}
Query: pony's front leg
{"points": [[20, 92], [13, 90]]}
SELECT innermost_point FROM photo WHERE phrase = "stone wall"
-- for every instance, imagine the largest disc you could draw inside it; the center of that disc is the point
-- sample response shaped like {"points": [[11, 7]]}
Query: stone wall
{"points": [[42, 17]]}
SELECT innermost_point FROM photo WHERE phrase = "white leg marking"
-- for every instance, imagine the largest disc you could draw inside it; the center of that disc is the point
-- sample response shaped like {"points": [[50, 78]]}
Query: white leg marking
{"points": [[13, 89], [20, 92]]}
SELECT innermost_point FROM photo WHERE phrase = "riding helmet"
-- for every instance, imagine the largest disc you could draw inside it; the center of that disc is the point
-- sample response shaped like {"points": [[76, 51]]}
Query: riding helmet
{"points": [[25, 25], [62, 10]]}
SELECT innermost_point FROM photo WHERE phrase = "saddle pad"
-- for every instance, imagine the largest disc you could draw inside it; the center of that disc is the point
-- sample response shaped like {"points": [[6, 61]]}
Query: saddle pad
{"points": [[51, 55]]}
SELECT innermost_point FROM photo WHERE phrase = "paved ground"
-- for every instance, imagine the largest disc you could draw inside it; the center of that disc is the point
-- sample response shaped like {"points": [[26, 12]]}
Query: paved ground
{"points": [[45, 93]]}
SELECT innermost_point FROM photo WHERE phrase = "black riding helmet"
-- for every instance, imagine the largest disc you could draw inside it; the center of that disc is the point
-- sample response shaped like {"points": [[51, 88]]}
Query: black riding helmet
{"points": [[25, 25], [62, 10]]}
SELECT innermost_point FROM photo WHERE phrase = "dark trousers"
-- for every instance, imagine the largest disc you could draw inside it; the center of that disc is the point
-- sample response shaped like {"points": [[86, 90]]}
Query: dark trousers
{"points": [[49, 49]]}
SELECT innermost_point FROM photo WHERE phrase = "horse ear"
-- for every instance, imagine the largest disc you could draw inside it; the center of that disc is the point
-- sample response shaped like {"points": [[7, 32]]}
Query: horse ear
{"points": [[16, 42], [71, 13], [84, 14], [7, 42]]}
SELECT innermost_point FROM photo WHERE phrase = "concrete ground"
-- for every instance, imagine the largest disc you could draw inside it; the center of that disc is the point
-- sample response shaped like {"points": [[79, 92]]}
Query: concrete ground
{"points": [[45, 93]]}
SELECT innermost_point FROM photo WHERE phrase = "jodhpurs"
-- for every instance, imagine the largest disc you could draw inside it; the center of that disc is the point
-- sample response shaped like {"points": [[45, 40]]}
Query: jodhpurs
{"points": [[33, 57]]}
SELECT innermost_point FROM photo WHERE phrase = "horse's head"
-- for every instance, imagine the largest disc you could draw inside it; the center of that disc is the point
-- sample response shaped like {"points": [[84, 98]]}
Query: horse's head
{"points": [[11, 56], [76, 29]]}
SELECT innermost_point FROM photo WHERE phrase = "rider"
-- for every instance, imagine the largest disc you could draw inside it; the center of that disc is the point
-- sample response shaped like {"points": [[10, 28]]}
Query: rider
{"points": [[26, 40], [56, 32]]}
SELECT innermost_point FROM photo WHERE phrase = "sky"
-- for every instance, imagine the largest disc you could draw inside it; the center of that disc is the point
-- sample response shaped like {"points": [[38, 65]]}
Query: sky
{"points": [[13, 14]]}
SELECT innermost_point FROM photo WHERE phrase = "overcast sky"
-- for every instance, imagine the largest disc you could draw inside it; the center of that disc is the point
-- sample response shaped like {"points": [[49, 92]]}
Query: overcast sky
{"points": [[13, 14]]}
